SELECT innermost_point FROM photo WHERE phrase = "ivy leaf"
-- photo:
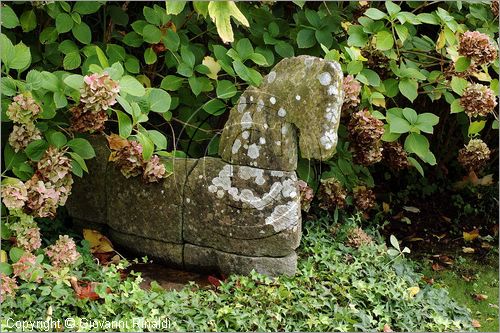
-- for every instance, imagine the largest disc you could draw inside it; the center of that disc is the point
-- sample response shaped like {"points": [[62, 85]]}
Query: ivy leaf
{"points": [[408, 88], [220, 12]]}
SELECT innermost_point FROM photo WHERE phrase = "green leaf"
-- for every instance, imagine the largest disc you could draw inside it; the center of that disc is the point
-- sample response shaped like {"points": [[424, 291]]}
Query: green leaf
{"points": [[68, 46], [199, 84], [124, 124], [150, 56], [131, 86], [426, 121], [284, 49], [64, 23], [306, 39], [151, 34], [409, 88], [86, 7], [82, 147], [132, 65], [22, 57], [374, 14], [171, 82], [201, 7], [56, 138], [72, 60], [11, 158], [5, 268], [133, 39], [82, 33], [175, 7], [7, 54], [8, 17], [151, 15], [79, 160], [244, 48], [402, 32], [371, 76], [28, 21], [392, 8], [394, 242], [35, 79], [60, 100], [458, 85], [417, 165], [76, 169], [398, 125], [158, 139], [354, 67], [147, 146], [15, 254], [103, 60], [215, 107], [410, 115], [159, 100], [36, 149], [476, 127], [220, 12], [456, 107], [428, 18], [250, 75], [225, 89], [171, 40], [462, 64], [74, 81], [357, 36], [418, 144], [384, 40]]}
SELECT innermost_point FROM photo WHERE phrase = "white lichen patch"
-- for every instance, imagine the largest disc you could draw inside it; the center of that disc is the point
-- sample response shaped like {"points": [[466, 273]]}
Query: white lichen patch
{"points": [[308, 61], [262, 141], [260, 105], [253, 151], [278, 143], [246, 120], [246, 173], [281, 112], [284, 216], [275, 173], [251, 98], [242, 104], [245, 135], [297, 97], [332, 90], [236, 146], [325, 78], [329, 139], [289, 190], [284, 129], [271, 77]]}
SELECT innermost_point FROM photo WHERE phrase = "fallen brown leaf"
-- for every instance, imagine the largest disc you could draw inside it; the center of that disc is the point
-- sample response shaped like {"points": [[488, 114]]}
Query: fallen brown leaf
{"points": [[486, 245], [387, 328], [470, 236], [98, 242], [437, 267], [480, 297], [475, 323], [428, 280]]}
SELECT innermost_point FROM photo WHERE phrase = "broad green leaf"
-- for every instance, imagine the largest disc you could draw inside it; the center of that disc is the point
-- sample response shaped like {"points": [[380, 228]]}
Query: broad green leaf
{"points": [[86, 7], [131, 86], [171, 40], [201, 7], [82, 33], [147, 145], [398, 125], [456, 107], [82, 147], [60, 100], [8, 17], [28, 20], [476, 127], [56, 138], [151, 15], [244, 48], [72, 60], [374, 13], [35, 79], [410, 115], [124, 124], [409, 88], [22, 57], [171, 82], [462, 64], [225, 89], [215, 107], [392, 8], [64, 23], [79, 160], [151, 34], [417, 165], [15, 254], [36, 149], [103, 60], [357, 37], [418, 144], [458, 85], [150, 56], [159, 100], [133, 39], [220, 12], [158, 139], [384, 40], [175, 7], [284, 49], [74, 81]]}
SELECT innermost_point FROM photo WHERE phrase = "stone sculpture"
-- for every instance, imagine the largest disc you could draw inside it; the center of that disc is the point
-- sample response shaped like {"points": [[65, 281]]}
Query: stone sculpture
{"points": [[237, 213]]}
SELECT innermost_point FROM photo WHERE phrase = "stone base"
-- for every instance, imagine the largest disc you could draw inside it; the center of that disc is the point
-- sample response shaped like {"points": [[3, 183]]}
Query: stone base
{"points": [[209, 259]]}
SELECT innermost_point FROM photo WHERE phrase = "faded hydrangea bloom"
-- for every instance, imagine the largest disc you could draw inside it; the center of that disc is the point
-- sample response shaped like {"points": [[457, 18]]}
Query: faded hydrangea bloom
{"points": [[154, 170], [63, 253], [474, 156], [54, 165], [23, 109], [128, 158], [395, 156], [99, 92], [85, 121], [478, 100], [14, 193], [9, 286], [27, 235], [364, 199], [22, 135], [494, 7], [478, 47], [25, 266], [365, 133], [306, 195], [331, 194], [358, 237], [43, 197], [352, 89]]}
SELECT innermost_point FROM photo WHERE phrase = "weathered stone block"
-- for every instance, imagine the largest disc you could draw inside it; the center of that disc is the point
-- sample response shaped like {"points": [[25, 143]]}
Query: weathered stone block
{"points": [[240, 209], [152, 210], [208, 259]]}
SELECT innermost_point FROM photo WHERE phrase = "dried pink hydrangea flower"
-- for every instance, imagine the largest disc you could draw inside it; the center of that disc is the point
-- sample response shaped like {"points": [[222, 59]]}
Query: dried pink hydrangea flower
{"points": [[99, 92], [478, 100], [54, 165], [85, 121], [63, 253], [22, 135], [9, 286], [128, 158], [25, 266], [478, 47], [306, 195], [352, 89], [475, 155], [43, 197], [27, 238], [154, 170], [23, 109], [14, 193]]}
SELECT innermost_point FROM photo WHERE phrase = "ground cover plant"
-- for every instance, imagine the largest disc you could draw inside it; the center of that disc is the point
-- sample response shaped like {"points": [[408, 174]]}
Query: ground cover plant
{"points": [[417, 154]]}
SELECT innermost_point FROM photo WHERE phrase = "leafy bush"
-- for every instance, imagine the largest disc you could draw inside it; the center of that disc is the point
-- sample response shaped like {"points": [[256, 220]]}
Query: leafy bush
{"points": [[337, 288]]}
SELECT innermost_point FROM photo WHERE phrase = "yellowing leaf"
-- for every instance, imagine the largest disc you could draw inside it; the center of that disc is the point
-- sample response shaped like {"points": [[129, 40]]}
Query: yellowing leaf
{"points": [[470, 236], [379, 102], [3, 256], [440, 41], [385, 207], [220, 12], [482, 76], [468, 250], [213, 66], [98, 242], [413, 291], [345, 25]]}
